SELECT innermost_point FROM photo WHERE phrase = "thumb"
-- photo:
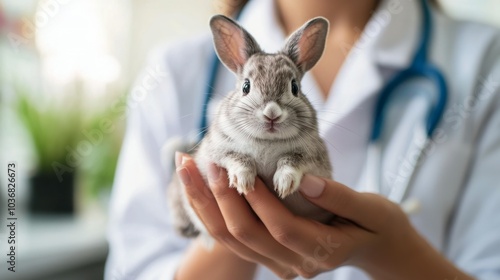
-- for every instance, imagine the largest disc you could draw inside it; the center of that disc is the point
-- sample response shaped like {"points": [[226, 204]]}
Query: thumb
{"points": [[341, 200]]}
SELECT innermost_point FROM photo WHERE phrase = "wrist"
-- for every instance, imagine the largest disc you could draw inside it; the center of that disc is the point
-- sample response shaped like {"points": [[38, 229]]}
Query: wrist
{"points": [[395, 258], [410, 257]]}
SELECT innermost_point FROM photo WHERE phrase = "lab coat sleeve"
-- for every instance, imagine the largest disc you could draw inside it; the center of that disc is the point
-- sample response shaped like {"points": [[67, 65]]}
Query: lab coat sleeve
{"points": [[474, 243], [142, 242]]}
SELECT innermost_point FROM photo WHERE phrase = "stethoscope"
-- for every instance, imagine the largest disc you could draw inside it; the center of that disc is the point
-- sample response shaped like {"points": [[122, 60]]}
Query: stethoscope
{"points": [[419, 68]]}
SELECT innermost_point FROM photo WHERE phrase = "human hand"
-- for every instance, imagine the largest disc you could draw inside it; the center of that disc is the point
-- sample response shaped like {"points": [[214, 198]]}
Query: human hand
{"points": [[372, 233]]}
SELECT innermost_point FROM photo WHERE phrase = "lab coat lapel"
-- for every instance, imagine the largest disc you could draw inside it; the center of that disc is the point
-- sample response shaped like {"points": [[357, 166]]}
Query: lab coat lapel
{"points": [[345, 121], [356, 81], [347, 118], [380, 45], [400, 22]]}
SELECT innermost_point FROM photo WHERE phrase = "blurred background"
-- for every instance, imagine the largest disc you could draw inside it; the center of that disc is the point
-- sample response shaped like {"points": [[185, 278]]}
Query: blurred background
{"points": [[65, 66]]}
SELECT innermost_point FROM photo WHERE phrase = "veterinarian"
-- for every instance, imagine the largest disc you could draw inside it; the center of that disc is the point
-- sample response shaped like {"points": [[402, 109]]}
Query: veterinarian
{"points": [[416, 185]]}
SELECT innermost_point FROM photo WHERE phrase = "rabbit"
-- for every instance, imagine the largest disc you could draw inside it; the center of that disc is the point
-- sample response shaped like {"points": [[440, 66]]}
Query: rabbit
{"points": [[266, 127]]}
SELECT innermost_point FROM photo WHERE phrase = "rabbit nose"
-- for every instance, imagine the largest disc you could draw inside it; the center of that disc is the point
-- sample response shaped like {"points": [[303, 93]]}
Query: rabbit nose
{"points": [[272, 111], [271, 119]]}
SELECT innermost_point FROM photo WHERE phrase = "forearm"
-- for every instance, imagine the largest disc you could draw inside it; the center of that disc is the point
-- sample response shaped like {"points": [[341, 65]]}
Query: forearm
{"points": [[217, 264], [414, 260]]}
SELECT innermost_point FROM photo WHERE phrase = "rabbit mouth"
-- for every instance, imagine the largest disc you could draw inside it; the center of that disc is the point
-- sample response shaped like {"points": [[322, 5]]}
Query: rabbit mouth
{"points": [[271, 127], [275, 131]]}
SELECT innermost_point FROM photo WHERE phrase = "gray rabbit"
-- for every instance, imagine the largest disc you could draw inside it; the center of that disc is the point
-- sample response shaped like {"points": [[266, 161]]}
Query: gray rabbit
{"points": [[266, 127]]}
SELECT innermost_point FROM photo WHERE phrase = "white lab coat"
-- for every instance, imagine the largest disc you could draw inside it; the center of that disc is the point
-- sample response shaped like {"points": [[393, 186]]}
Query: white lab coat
{"points": [[458, 183]]}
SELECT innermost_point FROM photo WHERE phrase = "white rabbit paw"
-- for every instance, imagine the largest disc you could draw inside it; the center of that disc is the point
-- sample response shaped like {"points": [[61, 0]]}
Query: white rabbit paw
{"points": [[241, 178], [287, 180]]}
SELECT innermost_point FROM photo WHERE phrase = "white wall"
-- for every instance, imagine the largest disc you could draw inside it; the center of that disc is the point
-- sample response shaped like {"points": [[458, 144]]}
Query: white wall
{"points": [[155, 22], [487, 11]]}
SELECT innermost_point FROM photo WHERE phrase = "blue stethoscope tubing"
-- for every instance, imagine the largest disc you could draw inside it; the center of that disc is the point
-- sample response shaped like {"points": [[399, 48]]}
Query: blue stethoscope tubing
{"points": [[214, 69], [419, 68]]}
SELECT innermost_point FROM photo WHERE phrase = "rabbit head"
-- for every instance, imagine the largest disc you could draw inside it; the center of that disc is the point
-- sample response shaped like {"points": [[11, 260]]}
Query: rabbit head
{"points": [[268, 103]]}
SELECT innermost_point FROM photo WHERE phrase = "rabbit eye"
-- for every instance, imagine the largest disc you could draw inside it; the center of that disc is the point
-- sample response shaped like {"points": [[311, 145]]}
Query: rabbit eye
{"points": [[246, 87], [295, 88]]}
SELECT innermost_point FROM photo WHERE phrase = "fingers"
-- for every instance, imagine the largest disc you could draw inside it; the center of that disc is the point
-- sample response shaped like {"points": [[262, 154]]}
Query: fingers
{"points": [[341, 200], [322, 247], [205, 206], [199, 196], [287, 244], [242, 223], [296, 233], [249, 255]]}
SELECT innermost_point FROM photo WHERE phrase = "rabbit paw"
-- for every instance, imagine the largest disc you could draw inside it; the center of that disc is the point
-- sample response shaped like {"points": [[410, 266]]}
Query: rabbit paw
{"points": [[242, 178], [287, 180]]}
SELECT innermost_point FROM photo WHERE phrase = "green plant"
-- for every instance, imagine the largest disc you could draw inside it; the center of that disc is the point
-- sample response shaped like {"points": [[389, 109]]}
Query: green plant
{"points": [[52, 128], [98, 169], [57, 129]]}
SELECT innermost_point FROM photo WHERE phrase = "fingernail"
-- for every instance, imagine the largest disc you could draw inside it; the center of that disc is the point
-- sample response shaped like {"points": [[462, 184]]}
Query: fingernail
{"points": [[312, 186], [184, 176], [184, 159], [213, 172], [178, 159]]}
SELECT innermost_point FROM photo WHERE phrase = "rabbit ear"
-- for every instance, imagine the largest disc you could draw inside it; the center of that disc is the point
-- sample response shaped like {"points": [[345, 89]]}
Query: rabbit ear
{"points": [[305, 46], [233, 44]]}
